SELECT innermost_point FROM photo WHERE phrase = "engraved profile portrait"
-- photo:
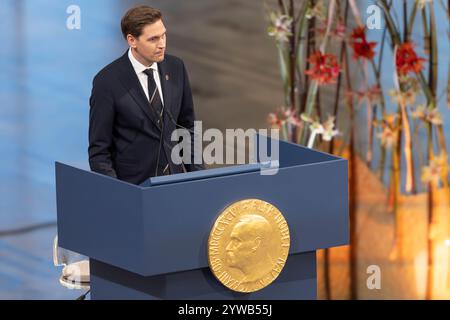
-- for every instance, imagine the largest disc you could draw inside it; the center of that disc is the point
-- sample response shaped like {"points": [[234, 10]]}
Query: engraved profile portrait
{"points": [[249, 247]]}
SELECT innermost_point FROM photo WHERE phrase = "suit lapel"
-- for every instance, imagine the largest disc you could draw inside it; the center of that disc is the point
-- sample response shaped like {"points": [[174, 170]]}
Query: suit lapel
{"points": [[131, 82]]}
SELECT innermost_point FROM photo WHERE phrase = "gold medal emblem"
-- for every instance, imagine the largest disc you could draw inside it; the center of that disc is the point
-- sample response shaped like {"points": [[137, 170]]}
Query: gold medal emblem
{"points": [[248, 245]]}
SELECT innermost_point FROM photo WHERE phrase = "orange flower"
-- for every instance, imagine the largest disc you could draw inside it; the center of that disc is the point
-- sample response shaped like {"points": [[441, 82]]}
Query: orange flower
{"points": [[324, 68], [388, 137], [389, 133], [361, 47], [407, 60]]}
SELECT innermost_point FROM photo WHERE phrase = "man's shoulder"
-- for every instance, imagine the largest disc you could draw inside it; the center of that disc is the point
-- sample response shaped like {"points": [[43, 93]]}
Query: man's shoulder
{"points": [[173, 61], [109, 70]]}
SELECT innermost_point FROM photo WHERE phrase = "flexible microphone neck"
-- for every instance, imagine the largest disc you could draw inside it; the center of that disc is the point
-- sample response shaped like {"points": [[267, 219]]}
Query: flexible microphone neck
{"points": [[178, 125], [161, 137]]}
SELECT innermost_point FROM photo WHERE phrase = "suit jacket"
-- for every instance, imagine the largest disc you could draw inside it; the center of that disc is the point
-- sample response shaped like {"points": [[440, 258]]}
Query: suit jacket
{"points": [[124, 136]]}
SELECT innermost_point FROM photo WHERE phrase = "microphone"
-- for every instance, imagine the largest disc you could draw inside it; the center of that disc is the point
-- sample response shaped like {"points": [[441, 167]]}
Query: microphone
{"points": [[161, 138], [191, 131]]}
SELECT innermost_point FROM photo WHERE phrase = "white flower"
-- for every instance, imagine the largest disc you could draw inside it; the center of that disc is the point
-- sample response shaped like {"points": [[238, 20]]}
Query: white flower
{"points": [[423, 113], [389, 134], [281, 27], [318, 11], [419, 112], [326, 129]]}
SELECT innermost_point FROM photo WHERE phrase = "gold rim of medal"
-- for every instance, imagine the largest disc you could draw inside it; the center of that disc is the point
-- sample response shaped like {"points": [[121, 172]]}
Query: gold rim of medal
{"points": [[248, 245]]}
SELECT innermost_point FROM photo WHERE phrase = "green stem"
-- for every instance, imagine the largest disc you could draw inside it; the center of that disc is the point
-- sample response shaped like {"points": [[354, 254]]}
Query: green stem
{"points": [[310, 103], [292, 58], [284, 70], [433, 52], [282, 6], [284, 132], [426, 89], [390, 23], [411, 21], [378, 80], [405, 19]]}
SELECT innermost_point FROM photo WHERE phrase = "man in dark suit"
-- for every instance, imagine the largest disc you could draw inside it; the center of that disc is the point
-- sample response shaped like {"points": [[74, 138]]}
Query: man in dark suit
{"points": [[136, 103]]}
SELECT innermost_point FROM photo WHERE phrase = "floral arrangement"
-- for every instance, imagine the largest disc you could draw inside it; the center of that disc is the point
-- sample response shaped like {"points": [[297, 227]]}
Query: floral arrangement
{"points": [[321, 46]]}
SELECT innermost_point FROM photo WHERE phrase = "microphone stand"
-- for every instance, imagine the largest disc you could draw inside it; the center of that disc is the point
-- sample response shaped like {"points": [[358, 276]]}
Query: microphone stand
{"points": [[161, 120]]}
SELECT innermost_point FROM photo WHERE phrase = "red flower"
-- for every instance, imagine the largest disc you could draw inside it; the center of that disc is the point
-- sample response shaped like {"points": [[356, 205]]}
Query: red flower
{"points": [[324, 67], [407, 59], [362, 48], [359, 33]]}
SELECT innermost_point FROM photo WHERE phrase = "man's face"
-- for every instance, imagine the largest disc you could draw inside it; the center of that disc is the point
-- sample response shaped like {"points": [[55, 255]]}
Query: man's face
{"points": [[150, 46], [240, 249]]}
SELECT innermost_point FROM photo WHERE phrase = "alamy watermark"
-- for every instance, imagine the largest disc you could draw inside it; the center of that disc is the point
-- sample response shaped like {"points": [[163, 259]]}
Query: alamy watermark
{"points": [[267, 147], [374, 17], [374, 280], [73, 21]]}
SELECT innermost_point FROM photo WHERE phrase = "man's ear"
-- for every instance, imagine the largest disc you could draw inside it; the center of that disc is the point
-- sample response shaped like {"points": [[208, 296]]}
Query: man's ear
{"points": [[131, 41], [256, 242]]}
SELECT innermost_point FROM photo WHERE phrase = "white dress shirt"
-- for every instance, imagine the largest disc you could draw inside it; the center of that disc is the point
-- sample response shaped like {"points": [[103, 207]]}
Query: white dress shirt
{"points": [[139, 68]]}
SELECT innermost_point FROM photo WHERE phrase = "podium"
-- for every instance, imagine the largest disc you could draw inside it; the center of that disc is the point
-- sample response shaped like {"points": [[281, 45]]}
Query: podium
{"points": [[150, 241]]}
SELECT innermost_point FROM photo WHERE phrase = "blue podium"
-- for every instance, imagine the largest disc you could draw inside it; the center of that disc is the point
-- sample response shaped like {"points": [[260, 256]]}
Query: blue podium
{"points": [[150, 241]]}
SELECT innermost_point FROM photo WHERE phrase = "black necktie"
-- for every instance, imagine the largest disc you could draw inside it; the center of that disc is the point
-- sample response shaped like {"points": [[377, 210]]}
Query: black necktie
{"points": [[153, 94], [158, 108]]}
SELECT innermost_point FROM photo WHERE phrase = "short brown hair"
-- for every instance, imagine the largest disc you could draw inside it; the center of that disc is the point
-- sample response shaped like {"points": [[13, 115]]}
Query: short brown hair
{"points": [[137, 18]]}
